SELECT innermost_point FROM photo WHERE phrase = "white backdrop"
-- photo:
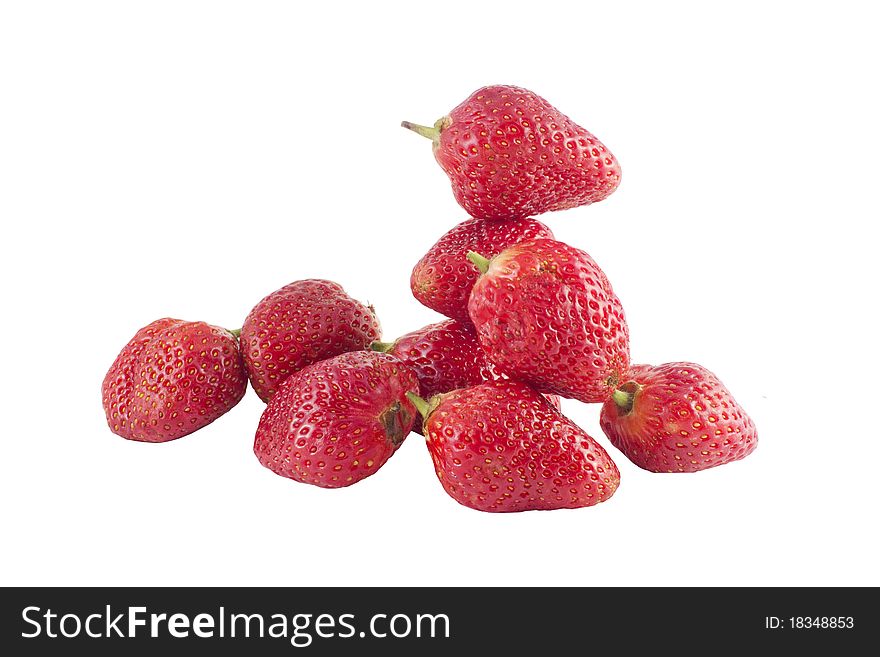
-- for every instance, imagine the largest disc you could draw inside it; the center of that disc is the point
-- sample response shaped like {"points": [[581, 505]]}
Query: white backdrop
{"points": [[187, 158]]}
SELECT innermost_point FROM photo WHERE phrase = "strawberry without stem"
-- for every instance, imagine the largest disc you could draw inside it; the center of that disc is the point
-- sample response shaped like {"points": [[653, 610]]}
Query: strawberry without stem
{"points": [[302, 323], [172, 378], [337, 421], [546, 314], [511, 154], [501, 447], [677, 417], [444, 356], [443, 278]]}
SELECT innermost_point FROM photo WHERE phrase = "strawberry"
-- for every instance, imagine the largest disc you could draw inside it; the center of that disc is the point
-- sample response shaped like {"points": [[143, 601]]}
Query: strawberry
{"points": [[546, 314], [302, 323], [510, 154], [443, 356], [677, 417], [443, 278], [500, 446], [172, 378], [337, 421]]}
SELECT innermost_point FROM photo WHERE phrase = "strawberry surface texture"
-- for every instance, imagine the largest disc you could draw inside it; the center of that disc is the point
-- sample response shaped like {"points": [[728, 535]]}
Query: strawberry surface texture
{"points": [[501, 446], [172, 378], [546, 314], [443, 356], [677, 417], [337, 421], [510, 154], [300, 324], [443, 278]]}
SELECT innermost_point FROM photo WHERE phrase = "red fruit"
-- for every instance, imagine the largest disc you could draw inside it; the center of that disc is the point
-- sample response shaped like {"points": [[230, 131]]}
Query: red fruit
{"points": [[511, 154], [500, 446], [300, 324], [172, 378], [443, 356], [443, 278], [546, 314], [677, 417], [337, 421]]}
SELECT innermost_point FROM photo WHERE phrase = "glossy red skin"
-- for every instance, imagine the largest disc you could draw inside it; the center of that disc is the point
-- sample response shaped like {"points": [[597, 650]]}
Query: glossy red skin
{"points": [[546, 314], [172, 378], [325, 426], [444, 356], [502, 447], [443, 278], [300, 324], [510, 154], [683, 419]]}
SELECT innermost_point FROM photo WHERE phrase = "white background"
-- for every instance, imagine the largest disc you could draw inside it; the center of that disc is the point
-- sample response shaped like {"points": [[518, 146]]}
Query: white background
{"points": [[187, 158]]}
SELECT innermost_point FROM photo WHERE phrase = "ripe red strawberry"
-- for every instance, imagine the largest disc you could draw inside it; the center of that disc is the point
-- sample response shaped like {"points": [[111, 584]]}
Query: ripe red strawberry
{"points": [[546, 314], [443, 278], [302, 323], [511, 154], [500, 446], [337, 421], [443, 356], [172, 378], [677, 417]]}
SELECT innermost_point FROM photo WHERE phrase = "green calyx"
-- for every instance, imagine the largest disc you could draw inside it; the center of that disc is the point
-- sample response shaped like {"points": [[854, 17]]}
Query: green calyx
{"points": [[235, 332], [479, 261]]}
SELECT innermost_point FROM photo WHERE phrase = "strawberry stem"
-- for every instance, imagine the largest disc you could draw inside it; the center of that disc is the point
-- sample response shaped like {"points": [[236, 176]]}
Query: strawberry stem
{"points": [[481, 263], [430, 133], [425, 131], [423, 407], [235, 332], [621, 398], [383, 347]]}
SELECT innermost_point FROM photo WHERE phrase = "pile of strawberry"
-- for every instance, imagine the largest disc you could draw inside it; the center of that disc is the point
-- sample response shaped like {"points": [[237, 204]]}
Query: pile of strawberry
{"points": [[531, 319]]}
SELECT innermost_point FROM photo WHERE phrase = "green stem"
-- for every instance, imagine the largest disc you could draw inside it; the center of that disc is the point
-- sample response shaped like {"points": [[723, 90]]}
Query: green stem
{"points": [[622, 398], [383, 347], [425, 131], [422, 406], [235, 332], [481, 262]]}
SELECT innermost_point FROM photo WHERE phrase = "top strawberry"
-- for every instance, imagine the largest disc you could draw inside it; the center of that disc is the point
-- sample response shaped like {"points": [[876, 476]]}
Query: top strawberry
{"points": [[510, 154]]}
